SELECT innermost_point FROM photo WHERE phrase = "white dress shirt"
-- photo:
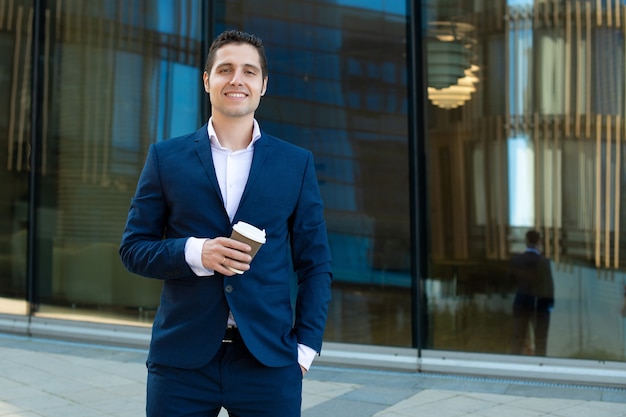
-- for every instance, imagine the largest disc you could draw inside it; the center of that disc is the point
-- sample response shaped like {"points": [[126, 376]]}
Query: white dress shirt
{"points": [[232, 169]]}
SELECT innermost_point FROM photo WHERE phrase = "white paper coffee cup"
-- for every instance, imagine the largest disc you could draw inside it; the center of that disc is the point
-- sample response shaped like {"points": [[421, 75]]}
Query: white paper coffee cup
{"points": [[247, 233]]}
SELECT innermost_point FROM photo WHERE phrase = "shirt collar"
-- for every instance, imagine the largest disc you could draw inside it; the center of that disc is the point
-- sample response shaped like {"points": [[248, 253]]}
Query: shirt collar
{"points": [[256, 134], [534, 250]]}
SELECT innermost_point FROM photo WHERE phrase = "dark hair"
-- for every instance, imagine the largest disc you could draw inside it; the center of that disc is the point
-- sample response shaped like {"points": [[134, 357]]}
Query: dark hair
{"points": [[532, 238], [238, 37]]}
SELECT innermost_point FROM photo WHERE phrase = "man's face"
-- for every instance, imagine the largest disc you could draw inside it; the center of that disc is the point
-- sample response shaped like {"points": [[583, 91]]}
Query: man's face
{"points": [[235, 83]]}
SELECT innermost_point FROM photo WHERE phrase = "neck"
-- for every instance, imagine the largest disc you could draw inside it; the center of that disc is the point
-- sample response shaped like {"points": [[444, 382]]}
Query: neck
{"points": [[234, 133]]}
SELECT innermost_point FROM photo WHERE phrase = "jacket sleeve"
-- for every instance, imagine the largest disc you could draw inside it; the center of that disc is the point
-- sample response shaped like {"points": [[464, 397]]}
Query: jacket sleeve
{"points": [[143, 249], [312, 262]]}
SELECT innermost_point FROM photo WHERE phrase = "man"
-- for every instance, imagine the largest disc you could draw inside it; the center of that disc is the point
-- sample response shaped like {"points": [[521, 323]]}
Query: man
{"points": [[534, 298], [222, 339]]}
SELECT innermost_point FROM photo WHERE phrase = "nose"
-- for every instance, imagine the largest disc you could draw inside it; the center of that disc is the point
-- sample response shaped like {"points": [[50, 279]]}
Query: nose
{"points": [[236, 80]]}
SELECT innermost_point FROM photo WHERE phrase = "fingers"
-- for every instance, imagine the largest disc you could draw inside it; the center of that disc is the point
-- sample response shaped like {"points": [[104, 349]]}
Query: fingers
{"points": [[228, 243], [222, 253], [234, 267]]}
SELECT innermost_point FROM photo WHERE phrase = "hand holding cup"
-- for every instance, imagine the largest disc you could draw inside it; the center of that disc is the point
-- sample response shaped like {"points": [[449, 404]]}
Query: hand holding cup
{"points": [[247, 233]]}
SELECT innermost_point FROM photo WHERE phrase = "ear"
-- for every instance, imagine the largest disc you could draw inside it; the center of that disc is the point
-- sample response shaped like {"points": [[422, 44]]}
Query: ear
{"points": [[264, 89], [205, 79]]}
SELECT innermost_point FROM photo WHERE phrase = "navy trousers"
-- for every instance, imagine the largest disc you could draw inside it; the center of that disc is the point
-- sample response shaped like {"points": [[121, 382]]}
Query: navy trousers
{"points": [[233, 379], [535, 310]]}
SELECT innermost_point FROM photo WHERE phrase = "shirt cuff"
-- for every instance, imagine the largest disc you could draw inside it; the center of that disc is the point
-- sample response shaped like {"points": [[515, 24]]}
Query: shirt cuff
{"points": [[306, 356], [193, 257]]}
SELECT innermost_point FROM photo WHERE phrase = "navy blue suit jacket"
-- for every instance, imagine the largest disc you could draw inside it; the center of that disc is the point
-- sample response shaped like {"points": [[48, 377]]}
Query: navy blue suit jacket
{"points": [[177, 197], [532, 275]]}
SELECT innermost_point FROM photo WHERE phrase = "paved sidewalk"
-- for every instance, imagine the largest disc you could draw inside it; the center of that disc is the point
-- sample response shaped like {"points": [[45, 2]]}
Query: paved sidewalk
{"points": [[44, 378]]}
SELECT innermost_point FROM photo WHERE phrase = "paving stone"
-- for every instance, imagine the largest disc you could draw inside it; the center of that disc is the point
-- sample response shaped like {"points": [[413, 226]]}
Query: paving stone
{"points": [[44, 378]]}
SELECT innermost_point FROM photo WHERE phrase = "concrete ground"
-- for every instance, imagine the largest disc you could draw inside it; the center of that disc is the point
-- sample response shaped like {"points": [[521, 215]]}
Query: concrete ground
{"points": [[46, 378]]}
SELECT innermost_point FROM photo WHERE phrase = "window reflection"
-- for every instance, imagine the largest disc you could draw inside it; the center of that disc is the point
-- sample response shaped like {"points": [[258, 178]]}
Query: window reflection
{"points": [[540, 145], [338, 87], [537, 140], [122, 75], [15, 61]]}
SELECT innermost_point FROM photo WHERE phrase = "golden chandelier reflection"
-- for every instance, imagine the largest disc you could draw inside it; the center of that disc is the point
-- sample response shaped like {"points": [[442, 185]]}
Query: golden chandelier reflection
{"points": [[457, 94], [451, 72]]}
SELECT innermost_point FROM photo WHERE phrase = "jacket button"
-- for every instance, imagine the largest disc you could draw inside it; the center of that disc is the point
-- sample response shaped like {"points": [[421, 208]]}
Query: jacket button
{"points": [[228, 288]]}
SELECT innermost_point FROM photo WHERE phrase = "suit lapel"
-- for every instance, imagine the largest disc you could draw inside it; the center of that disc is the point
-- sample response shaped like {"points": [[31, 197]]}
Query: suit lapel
{"points": [[203, 148], [261, 151]]}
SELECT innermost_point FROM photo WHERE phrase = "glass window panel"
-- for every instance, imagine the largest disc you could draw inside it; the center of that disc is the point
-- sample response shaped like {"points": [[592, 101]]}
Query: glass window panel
{"points": [[15, 64], [539, 144], [122, 75], [351, 112], [532, 137]]}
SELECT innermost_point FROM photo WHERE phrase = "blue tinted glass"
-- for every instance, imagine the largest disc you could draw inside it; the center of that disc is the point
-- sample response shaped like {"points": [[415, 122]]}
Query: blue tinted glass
{"points": [[123, 75], [338, 87]]}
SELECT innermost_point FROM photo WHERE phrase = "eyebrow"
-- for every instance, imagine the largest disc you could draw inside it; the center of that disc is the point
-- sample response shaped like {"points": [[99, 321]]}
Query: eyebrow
{"points": [[229, 64]]}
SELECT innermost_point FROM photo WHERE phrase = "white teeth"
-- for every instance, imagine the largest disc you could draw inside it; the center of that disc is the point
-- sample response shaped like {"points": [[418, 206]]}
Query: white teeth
{"points": [[236, 95]]}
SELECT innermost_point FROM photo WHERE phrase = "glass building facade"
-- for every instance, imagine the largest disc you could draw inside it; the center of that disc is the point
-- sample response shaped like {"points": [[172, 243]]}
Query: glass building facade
{"points": [[442, 131]]}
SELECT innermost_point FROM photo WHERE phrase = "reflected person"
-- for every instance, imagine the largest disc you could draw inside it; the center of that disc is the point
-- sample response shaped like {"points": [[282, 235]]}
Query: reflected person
{"points": [[220, 338], [534, 297]]}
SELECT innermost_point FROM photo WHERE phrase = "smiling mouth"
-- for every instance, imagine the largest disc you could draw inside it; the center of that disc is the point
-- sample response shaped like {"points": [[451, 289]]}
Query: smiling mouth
{"points": [[236, 95]]}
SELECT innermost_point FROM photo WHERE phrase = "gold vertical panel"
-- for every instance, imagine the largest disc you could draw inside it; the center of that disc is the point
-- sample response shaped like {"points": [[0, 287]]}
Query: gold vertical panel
{"points": [[536, 14], [556, 190], [599, 12], [528, 103], [3, 5], [437, 246], [607, 195], [90, 141], [23, 142], [609, 13], [568, 65], [483, 133], [69, 18], [46, 96], [583, 197], [598, 207], [588, 70], [502, 175], [541, 191], [555, 14], [57, 18], [489, 157], [10, 14], [109, 82], [536, 148], [545, 187], [579, 64], [98, 129], [507, 65], [460, 208], [14, 92], [618, 162], [515, 64]]}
